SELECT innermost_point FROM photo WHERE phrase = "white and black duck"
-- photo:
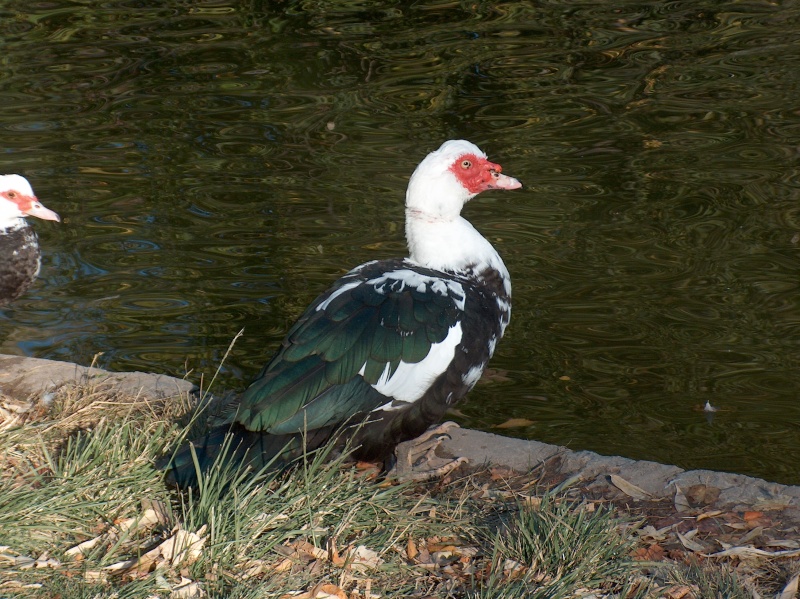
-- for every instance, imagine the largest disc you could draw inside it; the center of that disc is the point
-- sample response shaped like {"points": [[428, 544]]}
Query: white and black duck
{"points": [[20, 258], [394, 343]]}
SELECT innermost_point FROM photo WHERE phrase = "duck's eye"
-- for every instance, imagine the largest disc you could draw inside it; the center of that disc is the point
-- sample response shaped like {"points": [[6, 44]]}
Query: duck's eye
{"points": [[466, 164]]}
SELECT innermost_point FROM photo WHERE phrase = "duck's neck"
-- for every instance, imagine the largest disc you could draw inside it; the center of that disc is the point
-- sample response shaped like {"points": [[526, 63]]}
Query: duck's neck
{"points": [[11, 223], [451, 245]]}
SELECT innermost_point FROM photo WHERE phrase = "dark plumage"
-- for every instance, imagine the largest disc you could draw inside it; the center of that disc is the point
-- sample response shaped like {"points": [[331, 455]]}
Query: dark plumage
{"points": [[394, 343], [19, 246]]}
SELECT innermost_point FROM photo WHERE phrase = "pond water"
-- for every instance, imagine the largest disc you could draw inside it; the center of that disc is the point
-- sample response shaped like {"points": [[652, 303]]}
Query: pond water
{"points": [[217, 164]]}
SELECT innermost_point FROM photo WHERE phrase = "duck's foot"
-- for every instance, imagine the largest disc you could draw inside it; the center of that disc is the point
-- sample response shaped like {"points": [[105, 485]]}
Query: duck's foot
{"points": [[417, 459]]}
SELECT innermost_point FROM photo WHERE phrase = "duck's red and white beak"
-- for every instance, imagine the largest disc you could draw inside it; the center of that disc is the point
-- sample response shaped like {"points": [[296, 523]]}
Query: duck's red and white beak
{"points": [[500, 181]]}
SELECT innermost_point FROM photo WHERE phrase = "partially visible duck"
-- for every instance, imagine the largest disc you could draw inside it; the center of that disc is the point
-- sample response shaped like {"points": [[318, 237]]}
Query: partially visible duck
{"points": [[20, 258]]}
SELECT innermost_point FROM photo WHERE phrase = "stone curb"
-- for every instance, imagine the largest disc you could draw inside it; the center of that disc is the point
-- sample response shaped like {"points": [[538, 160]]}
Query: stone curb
{"points": [[660, 481], [23, 377]]}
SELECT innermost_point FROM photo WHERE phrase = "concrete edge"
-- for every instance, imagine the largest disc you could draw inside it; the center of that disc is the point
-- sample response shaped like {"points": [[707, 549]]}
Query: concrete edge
{"points": [[659, 481], [22, 377]]}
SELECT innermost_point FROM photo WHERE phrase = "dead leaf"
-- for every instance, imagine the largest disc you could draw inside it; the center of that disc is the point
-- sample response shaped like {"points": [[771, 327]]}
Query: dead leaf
{"points": [[650, 532], [363, 559], [534, 502], [779, 502], [442, 546], [756, 532], [331, 590], [95, 576], [752, 516], [653, 553], [424, 556], [282, 566], [368, 468], [23, 562], [754, 519], [312, 594], [686, 541], [628, 488], [333, 554], [15, 412], [309, 549], [514, 423], [182, 548], [501, 472], [443, 558], [321, 590], [753, 552], [790, 590], [411, 549], [513, 568], [187, 589], [679, 592], [702, 494], [710, 514], [254, 567], [680, 501], [81, 549], [154, 514], [788, 543]]}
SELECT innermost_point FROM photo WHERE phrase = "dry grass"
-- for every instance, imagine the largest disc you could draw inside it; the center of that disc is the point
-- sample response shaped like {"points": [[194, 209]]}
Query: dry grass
{"points": [[83, 513]]}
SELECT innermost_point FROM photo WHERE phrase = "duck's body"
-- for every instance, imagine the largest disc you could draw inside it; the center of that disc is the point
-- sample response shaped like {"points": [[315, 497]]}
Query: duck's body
{"points": [[20, 257], [392, 345]]}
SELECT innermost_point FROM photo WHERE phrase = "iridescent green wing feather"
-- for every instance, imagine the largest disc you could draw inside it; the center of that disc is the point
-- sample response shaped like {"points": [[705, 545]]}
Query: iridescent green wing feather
{"points": [[314, 381]]}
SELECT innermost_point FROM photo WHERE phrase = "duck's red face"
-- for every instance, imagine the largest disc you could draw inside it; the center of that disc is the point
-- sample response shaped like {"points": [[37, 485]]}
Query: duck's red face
{"points": [[28, 204], [477, 174]]}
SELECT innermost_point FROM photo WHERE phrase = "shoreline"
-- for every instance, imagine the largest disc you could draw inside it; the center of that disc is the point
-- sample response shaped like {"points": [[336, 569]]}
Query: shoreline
{"points": [[23, 377]]}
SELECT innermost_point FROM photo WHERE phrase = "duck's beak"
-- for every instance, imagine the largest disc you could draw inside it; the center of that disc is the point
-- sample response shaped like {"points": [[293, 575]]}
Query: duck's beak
{"points": [[501, 181], [39, 211]]}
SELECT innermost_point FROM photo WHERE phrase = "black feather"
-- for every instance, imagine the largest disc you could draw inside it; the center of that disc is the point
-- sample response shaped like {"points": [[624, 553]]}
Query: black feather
{"points": [[322, 377]]}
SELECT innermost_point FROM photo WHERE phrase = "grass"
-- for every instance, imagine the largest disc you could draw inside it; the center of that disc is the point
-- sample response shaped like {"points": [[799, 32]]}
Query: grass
{"points": [[83, 513]]}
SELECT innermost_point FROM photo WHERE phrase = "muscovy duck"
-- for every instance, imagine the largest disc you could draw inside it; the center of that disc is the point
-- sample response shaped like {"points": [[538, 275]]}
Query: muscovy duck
{"points": [[20, 258], [383, 354]]}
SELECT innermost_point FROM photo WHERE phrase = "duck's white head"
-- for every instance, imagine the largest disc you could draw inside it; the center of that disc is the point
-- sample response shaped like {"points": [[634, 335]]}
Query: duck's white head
{"points": [[438, 237], [17, 201], [451, 176]]}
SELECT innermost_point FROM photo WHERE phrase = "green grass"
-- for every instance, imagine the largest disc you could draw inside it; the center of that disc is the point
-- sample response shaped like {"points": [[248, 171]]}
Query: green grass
{"points": [[559, 545], [84, 471]]}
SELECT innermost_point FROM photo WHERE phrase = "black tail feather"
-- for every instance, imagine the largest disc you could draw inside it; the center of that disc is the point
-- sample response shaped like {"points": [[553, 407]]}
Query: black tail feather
{"points": [[231, 445], [234, 445]]}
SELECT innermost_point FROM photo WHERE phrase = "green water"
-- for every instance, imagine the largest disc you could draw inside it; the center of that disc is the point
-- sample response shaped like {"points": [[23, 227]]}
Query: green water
{"points": [[218, 164]]}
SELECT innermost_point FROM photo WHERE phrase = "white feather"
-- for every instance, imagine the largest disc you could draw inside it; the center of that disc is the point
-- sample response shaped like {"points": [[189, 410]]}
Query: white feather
{"points": [[505, 309], [492, 345], [410, 381], [420, 282], [343, 289], [473, 375]]}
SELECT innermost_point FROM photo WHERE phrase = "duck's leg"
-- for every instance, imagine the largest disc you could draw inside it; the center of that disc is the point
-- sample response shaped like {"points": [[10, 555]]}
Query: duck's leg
{"points": [[416, 459]]}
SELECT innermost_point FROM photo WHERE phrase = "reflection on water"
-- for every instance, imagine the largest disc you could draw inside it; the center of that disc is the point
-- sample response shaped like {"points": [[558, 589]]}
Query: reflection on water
{"points": [[218, 165]]}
